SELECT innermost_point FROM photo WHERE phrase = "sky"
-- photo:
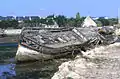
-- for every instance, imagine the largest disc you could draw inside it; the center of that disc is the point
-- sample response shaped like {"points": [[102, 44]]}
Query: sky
{"points": [[69, 8]]}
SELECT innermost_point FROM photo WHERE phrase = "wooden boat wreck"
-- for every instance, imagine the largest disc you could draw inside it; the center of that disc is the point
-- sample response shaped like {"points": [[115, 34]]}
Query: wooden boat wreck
{"points": [[43, 44]]}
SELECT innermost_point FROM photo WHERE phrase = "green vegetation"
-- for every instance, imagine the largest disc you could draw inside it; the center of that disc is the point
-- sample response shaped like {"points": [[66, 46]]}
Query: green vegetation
{"points": [[107, 22], [61, 20], [8, 24]]}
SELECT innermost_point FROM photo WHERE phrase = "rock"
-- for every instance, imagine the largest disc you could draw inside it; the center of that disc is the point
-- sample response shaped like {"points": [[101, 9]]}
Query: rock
{"points": [[100, 63]]}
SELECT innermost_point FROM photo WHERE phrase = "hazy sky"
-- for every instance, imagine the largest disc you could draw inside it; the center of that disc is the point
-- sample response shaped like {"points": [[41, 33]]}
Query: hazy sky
{"points": [[65, 7]]}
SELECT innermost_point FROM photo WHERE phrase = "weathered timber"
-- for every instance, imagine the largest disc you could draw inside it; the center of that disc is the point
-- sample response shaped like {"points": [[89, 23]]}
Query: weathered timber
{"points": [[37, 43]]}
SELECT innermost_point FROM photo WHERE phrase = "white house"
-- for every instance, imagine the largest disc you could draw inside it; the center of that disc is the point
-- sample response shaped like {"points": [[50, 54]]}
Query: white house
{"points": [[52, 26], [89, 22]]}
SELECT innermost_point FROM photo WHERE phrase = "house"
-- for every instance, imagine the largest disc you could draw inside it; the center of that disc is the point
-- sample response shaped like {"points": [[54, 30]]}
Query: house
{"points": [[3, 18], [89, 22], [9, 18], [95, 18], [19, 18], [27, 17], [35, 17]]}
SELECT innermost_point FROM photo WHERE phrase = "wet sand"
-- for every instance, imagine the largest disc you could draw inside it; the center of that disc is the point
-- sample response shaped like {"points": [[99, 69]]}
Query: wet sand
{"points": [[9, 39], [9, 69]]}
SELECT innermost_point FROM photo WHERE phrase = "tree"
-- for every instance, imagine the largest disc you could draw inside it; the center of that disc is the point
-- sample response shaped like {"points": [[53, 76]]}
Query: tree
{"points": [[13, 23], [113, 21], [99, 24], [78, 20], [78, 16], [8, 24], [43, 21], [61, 20], [104, 22], [82, 19], [71, 22], [49, 20], [50, 16]]}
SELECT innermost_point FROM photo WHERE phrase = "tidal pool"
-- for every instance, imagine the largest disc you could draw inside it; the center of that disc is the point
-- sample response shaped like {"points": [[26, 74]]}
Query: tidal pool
{"points": [[9, 69]]}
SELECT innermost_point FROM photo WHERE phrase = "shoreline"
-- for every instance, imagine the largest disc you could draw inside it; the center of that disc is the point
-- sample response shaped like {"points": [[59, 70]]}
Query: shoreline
{"points": [[9, 39]]}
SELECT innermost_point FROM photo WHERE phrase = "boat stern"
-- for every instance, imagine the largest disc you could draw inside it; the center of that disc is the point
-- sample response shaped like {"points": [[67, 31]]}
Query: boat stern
{"points": [[26, 54]]}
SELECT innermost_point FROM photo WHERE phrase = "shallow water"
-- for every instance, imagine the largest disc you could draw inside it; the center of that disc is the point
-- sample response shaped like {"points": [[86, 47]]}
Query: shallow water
{"points": [[32, 70]]}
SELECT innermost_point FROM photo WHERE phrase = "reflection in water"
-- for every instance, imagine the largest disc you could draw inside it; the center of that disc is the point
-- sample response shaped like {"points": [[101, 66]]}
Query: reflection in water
{"points": [[7, 71], [7, 66], [31, 70], [37, 70]]}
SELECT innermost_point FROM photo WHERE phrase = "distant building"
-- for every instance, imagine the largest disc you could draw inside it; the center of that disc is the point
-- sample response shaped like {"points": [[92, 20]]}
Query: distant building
{"points": [[95, 18], [10, 18], [6, 18], [1, 18], [27, 17], [35, 17], [20, 18], [106, 17], [89, 22]]}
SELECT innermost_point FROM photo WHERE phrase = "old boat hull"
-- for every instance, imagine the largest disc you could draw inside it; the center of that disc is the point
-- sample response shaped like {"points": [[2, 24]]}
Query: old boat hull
{"points": [[46, 44], [26, 54]]}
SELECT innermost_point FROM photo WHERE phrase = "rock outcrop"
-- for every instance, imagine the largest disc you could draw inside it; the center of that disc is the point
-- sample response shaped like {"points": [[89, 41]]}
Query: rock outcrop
{"points": [[100, 63]]}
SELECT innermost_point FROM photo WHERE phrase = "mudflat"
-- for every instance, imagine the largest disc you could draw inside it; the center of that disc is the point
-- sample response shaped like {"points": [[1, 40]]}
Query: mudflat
{"points": [[9, 39]]}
